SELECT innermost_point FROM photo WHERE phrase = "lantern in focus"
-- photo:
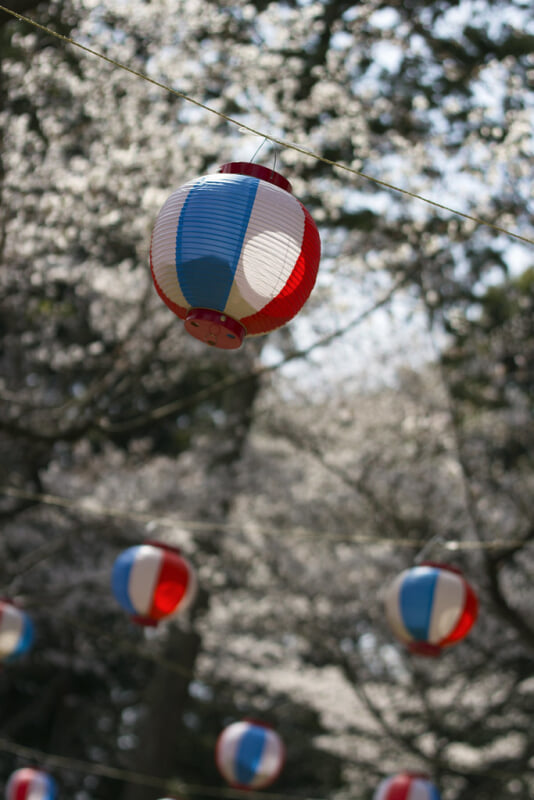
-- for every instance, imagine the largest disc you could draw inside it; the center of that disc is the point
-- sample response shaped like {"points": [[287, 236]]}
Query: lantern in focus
{"points": [[16, 631], [30, 784], [249, 755], [153, 581], [234, 254], [430, 607], [407, 786]]}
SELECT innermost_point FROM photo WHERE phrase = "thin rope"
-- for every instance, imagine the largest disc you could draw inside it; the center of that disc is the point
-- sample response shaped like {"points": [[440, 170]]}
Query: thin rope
{"points": [[174, 786], [171, 786], [249, 129], [90, 507]]}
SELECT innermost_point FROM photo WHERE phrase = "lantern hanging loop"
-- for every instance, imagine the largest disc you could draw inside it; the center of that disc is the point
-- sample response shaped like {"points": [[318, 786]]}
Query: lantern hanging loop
{"points": [[260, 146], [437, 541]]}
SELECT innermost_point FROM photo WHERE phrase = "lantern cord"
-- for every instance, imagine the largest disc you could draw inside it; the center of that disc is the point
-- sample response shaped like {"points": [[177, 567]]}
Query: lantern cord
{"points": [[249, 129], [84, 506], [170, 786]]}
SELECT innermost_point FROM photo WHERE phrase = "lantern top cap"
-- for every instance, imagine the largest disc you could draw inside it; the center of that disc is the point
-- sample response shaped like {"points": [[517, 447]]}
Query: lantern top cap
{"points": [[163, 546], [258, 722], [257, 171], [416, 774], [440, 565]]}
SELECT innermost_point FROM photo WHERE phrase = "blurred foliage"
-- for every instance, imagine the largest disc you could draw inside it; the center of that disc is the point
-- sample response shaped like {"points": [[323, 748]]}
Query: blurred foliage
{"points": [[104, 400]]}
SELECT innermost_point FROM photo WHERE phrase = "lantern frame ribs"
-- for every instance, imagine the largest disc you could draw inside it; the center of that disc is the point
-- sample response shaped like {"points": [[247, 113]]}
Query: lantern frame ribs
{"points": [[234, 254]]}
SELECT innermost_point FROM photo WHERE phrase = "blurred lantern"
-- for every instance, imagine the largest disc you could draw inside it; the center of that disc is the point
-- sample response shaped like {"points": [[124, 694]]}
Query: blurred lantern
{"points": [[16, 631], [407, 786], [249, 755], [153, 581], [30, 784], [234, 254], [430, 606]]}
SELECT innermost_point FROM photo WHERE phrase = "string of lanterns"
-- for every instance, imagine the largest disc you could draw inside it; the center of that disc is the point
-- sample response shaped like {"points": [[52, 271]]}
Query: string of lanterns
{"points": [[235, 255], [429, 607]]}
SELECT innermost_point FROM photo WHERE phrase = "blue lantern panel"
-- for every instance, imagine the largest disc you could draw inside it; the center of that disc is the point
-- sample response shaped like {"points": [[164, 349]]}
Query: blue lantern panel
{"points": [[249, 754], [209, 239], [416, 600]]}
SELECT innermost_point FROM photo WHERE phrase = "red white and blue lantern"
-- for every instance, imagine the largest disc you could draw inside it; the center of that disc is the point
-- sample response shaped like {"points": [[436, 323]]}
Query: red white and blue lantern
{"points": [[30, 784], [407, 786], [234, 254], [153, 581], [16, 631], [430, 607], [249, 755]]}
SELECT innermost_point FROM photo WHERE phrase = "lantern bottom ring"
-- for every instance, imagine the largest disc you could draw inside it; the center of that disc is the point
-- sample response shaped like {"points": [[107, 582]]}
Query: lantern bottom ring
{"points": [[424, 649], [214, 328], [146, 622]]}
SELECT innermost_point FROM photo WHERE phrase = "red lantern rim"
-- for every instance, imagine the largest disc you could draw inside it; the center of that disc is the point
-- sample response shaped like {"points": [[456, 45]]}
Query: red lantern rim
{"points": [[163, 546], [257, 171], [424, 649], [259, 722], [215, 328], [146, 622], [440, 565], [415, 774]]}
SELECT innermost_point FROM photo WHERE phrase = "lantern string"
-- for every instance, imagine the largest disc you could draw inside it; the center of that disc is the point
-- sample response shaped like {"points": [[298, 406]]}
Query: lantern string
{"points": [[88, 506], [174, 785], [275, 140], [170, 786]]}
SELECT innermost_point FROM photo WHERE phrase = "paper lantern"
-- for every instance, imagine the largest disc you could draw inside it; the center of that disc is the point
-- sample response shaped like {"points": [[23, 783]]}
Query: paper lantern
{"points": [[30, 784], [153, 581], [234, 254], [249, 755], [16, 631], [430, 607], [407, 786]]}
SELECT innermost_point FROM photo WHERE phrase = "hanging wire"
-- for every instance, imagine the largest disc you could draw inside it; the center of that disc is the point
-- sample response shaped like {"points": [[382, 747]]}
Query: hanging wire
{"points": [[174, 786], [170, 786], [275, 140], [84, 507]]}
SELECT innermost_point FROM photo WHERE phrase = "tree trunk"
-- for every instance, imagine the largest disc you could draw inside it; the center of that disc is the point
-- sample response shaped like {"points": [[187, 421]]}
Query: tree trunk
{"points": [[162, 730]]}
